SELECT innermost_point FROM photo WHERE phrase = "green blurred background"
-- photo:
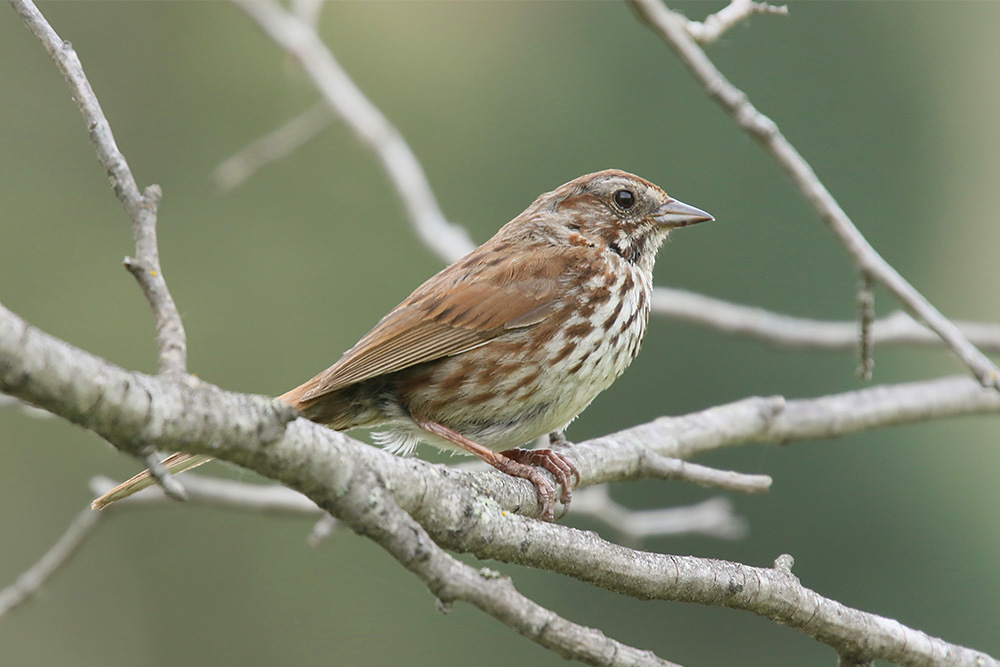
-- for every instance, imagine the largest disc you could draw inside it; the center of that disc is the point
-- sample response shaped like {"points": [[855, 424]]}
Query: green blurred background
{"points": [[896, 105]]}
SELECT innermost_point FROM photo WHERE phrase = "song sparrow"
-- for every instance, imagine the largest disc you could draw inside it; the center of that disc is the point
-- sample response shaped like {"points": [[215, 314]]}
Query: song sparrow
{"points": [[509, 343]]}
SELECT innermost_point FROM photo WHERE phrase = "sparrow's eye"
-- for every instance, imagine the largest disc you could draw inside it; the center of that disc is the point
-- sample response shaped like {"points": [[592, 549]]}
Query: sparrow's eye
{"points": [[624, 199]]}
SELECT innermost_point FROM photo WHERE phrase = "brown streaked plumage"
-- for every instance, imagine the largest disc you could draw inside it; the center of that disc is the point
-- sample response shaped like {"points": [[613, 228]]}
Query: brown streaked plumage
{"points": [[510, 342]]}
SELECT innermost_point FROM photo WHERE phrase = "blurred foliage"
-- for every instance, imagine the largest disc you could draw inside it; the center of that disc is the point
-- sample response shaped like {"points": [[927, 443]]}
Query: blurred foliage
{"points": [[895, 104]]}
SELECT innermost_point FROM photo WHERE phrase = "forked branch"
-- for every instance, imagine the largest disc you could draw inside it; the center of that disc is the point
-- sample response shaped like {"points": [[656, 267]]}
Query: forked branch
{"points": [[431, 508], [140, 207], [300, 40], [674, 30], [472, 512]]}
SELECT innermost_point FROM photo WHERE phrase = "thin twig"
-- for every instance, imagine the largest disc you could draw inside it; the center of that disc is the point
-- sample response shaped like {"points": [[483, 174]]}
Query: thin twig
{"points": [[866, 318], [273, 146], [449, 579], [715, 25], [673, 29], [145, 267], [666, 467], [743, 320], [216, 492], [713, 518], [802, 333], [32, 580], [447, 240], [203, 490], [141, 207], [171, 487]]}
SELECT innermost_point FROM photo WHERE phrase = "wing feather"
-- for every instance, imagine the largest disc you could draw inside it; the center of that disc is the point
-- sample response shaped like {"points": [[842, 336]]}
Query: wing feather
{"points": [[467, 305]]}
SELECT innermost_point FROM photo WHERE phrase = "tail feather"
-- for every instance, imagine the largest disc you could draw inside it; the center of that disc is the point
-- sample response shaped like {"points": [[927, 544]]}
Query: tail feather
{"points": [[175, 463], [334, 410]]}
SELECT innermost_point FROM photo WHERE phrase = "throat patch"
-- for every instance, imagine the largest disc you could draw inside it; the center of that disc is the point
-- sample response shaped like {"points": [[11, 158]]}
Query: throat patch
{"points": [[630, 254]]}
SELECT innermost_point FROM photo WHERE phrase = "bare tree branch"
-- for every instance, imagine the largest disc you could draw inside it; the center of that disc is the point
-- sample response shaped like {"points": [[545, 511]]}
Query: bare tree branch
{"points": [[773, 593], [124, 407], [866, 318], [449, 579], [220, 493], [160, 474], [665, 467], [798, 332], [145, 266], [141, 208], [673, 28], [273, 146], [308, 10], [329, 77], [29, 583], [655, 465], [737, 11], [416, 510], [299, 39], [462, 511], [713, 517], [377, 516], [25, 408]]}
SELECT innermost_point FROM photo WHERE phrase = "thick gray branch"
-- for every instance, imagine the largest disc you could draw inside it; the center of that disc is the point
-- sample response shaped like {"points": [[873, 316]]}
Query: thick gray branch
{"points": [[369, 490], [770, 592], [369, 508], [460, 510]]}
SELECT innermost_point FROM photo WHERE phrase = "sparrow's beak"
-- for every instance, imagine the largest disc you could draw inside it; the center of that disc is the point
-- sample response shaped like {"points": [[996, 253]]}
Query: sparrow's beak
{"points": [[678, 214]]}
